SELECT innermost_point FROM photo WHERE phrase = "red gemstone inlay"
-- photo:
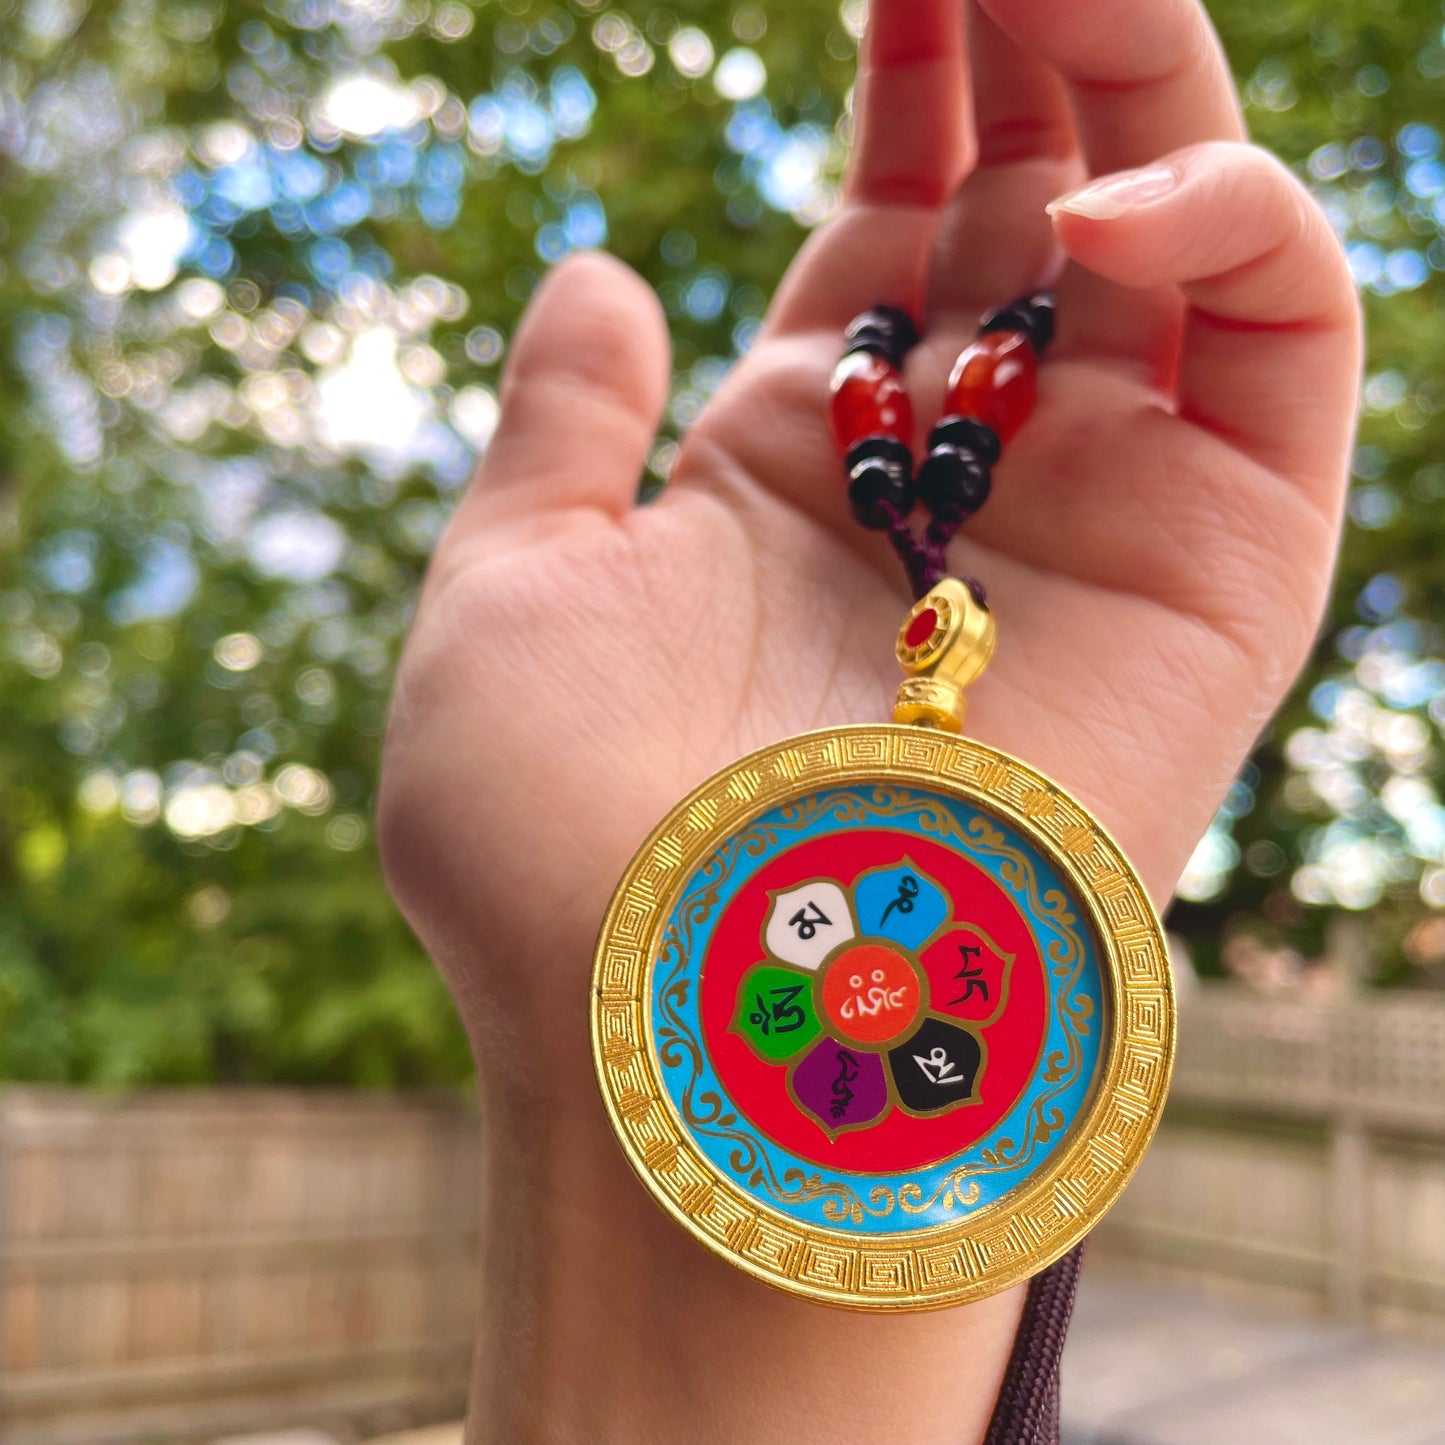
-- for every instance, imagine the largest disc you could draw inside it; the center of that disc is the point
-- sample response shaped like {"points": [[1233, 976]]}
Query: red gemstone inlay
{"points": [[868, 400], [921, 628], [995, 380]]}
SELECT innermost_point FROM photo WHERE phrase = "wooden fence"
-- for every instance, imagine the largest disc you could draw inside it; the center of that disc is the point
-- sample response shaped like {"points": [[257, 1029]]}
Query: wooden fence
{"points": [[178, 1265], [1304, 1151]]}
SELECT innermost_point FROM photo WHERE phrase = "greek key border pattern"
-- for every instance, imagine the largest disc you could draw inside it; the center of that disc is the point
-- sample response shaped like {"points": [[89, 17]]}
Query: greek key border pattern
{"points": [[1000, 1244]]}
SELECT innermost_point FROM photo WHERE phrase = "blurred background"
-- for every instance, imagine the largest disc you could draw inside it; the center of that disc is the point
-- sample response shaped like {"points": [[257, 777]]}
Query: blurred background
{"points": [[259, 265]]}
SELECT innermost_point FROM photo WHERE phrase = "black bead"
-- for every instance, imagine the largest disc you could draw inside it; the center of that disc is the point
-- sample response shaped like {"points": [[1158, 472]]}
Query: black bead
{"points": [[1033, 315], [880, 343], [887, 331], [968, 434], [879, 491], [900, 323], [952, 482], [888, 448]]}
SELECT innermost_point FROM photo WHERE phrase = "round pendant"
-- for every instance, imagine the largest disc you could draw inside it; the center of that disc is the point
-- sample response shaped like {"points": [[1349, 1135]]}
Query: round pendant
{"points": [[882, 1016]]}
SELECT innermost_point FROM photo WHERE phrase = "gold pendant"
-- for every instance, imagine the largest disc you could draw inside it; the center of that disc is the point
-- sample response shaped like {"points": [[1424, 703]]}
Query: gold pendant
{"points": [[882, 1015]]}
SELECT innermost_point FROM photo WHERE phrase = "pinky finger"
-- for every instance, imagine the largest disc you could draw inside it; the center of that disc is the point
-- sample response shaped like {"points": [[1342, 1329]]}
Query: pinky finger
{"points": [[1270, 359]]}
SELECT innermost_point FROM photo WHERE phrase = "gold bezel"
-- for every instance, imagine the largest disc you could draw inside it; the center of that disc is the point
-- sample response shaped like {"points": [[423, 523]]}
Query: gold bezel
{"points": [[999, 1244]]}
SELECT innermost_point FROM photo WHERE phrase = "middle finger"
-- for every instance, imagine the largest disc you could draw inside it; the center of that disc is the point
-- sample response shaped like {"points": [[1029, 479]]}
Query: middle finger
{"points": [[995, 241]]}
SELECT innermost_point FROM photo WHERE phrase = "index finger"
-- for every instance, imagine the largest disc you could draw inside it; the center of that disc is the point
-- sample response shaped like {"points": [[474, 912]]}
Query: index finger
{"points": [[913, 136], [912, 144]]}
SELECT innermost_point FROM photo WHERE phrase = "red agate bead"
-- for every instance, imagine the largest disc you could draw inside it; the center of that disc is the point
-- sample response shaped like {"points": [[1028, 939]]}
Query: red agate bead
{"points": [[995, 380], [868, 400]]}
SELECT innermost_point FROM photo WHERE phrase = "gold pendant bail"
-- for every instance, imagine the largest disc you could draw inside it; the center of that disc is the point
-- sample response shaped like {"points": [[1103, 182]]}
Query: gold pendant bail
{"points": [[945, 642]]}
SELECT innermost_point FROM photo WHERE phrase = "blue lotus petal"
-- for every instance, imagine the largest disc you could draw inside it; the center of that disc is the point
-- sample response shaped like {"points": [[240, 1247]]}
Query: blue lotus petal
{"points": [[900, 904]]}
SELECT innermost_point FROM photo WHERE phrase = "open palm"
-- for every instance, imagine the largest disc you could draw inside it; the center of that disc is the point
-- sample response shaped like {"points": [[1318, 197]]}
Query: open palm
{"points": [[1157, 548]]}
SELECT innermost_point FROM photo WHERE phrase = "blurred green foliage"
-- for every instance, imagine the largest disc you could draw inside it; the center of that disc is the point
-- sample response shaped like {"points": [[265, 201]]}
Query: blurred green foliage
{"points": [[258, 266]]}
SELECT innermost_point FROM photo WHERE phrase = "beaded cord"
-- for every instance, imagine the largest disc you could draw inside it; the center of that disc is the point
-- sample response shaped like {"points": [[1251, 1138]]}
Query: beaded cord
{"points": [[991, 393]]}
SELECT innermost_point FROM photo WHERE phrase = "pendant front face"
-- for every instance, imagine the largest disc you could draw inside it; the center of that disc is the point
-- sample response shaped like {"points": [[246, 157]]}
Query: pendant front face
{"points": [[883, 1016]]}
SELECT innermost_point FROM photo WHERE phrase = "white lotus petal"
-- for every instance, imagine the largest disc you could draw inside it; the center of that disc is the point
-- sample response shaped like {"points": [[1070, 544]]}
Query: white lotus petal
{"points": [[805, 924]]}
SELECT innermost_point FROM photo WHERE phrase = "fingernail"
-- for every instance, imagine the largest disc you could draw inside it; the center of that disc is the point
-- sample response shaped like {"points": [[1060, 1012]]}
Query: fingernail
{"points": [[1111, 197]]}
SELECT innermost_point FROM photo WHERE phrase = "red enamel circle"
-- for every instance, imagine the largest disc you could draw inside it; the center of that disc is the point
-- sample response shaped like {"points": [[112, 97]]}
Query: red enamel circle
{"points": [[758, 1087], [921, 628], [870, 994]]}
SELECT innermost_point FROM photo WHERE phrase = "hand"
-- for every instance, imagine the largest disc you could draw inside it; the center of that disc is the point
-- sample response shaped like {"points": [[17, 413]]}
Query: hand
{"points": [[1157, 551]]}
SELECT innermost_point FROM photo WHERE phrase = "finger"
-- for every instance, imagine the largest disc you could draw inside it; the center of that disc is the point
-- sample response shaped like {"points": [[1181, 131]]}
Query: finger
{"points": [[1020, 107], [1271, 349], [1144, 77], [994, 241], [581, 398], [912, 145]]}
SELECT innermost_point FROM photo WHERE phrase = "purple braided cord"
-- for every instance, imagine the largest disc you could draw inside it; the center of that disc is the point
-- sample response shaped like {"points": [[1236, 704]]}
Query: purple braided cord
{"points": [[1027, 1412], [917, 557], [925, 558]]}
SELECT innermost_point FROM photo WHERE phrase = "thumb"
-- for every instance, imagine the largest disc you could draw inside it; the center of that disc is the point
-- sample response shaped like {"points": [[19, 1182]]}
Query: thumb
{"points": [[581, 398]]}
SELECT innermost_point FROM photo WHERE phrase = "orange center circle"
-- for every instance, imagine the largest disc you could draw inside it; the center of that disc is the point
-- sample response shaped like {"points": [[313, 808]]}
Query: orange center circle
{"points": [[870, 993]]}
